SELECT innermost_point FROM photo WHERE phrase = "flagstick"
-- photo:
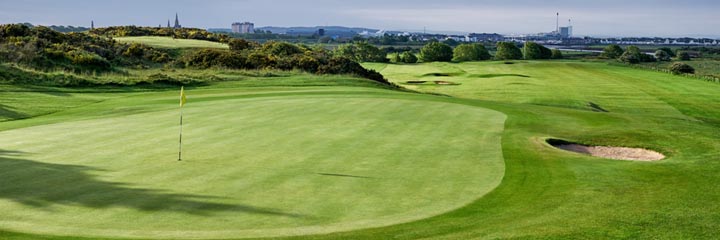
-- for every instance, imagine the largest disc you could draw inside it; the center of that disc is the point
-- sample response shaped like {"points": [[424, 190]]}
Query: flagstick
{"points": [[180, 142]]}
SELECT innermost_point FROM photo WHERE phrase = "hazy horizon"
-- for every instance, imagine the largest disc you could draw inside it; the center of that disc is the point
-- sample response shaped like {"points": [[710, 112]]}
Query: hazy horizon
{"points": [[663, 18]]}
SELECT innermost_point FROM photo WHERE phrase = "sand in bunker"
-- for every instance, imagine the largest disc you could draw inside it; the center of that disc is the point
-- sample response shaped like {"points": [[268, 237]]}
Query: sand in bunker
{"points": [[619, 153]]}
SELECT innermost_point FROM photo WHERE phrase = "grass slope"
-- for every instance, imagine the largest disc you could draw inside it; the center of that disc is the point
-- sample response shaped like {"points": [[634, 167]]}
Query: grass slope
{"points": [[168, 42], [257, 163]]}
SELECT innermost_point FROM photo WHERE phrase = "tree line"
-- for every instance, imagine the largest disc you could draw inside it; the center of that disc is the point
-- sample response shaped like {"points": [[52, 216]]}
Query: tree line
{"points": [[442, 52], [633, 55]]}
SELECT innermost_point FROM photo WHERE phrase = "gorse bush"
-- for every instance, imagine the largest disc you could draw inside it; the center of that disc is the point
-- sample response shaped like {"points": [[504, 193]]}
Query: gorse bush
{"points": [[46, 49], [281, 56], [681, 68], [42, 48], [282, 49], [181, 33]]}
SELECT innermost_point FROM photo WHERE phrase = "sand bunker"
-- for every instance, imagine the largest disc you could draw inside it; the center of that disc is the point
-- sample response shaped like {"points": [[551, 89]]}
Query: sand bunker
{"points": [[619, 153], [445, 83]]}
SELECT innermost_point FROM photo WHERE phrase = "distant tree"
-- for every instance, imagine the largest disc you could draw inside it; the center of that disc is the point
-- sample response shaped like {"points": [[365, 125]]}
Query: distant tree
{"points": [[662, 55], [683, 56], [632, 55], [325, 39], [612, 52], [361, 52], [436, 52], [669, 51], [451, 42], [557, 54], [508, 51], [681, 68], [533, 50], [408, 57], [470, 52]]}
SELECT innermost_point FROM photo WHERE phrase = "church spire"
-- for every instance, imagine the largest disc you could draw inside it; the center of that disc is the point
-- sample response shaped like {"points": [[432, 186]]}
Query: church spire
{"points": [[177, 22]]}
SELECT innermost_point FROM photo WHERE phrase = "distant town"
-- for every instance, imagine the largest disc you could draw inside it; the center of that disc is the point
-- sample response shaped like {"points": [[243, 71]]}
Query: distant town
{"points": [[560, 36]]}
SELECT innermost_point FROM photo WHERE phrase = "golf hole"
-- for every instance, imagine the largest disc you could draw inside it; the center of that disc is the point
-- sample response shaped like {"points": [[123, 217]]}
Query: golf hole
{"points": [[617, 153]]}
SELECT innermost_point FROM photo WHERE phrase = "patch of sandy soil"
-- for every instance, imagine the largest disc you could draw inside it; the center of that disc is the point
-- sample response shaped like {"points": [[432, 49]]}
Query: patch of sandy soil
{"points": [[619, 153]]}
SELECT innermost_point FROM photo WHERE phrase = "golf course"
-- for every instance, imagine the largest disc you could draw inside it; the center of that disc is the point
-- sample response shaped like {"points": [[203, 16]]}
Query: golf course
{"points": [[337, 157], [285, 141]]}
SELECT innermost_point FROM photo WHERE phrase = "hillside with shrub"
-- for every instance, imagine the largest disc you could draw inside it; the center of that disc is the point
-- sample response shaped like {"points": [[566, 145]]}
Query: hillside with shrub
{"points": [[41, 49]]}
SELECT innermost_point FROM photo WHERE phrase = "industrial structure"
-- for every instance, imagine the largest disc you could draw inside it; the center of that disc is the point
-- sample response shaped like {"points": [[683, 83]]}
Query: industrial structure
{"points": [[566, 32], [245, 27], [561, 32]]}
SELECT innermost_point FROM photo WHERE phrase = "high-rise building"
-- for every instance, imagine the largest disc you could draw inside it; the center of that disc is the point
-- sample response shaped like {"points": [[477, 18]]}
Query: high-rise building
{"points": [[245, 27]]}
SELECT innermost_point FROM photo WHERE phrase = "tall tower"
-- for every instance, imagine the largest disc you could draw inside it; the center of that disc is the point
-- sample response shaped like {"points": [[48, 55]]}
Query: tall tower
{"points": [[177, 22], [92, 24], [557, 23], [168, 23]]}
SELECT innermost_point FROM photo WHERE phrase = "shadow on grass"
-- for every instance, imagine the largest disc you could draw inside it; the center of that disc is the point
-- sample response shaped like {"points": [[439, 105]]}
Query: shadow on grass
{"points": [[497, 75], [343, 175], [41, 185], [9, 113]]}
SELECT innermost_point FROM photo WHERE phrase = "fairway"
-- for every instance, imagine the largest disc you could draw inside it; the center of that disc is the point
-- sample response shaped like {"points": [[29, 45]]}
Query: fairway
{"points": [[168, 42], [291, 163]]}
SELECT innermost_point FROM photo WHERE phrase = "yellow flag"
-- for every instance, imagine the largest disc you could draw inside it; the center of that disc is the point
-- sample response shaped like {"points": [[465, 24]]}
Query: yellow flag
{"points": [[182, 96]]}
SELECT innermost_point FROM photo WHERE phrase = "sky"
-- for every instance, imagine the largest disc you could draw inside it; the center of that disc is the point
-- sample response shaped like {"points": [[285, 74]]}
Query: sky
{"points": [[663, 18]]}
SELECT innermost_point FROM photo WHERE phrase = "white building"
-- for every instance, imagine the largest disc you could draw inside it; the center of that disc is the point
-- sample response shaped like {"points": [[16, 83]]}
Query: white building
{"points": [[245, 27]]}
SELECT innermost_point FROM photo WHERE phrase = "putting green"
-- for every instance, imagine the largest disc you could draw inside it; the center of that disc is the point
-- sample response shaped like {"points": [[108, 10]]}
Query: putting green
{"points": [[252, 167]]}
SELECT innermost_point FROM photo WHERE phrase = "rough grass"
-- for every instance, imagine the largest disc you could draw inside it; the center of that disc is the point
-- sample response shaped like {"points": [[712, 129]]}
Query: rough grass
{"points": [[168, 42]]}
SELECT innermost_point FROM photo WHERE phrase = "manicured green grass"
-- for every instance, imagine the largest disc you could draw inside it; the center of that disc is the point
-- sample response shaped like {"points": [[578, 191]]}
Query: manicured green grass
{"points": [[168, 42], [256, 163], [545, 193]]}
